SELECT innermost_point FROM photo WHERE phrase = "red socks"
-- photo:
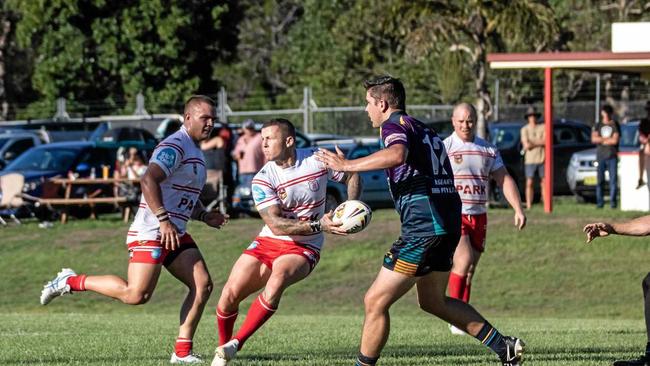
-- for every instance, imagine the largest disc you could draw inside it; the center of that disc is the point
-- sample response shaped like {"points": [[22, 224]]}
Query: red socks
{"points": [[77, 283], [468, 288], [456, 286], [258, 314], [225, 324], [183, 347]]}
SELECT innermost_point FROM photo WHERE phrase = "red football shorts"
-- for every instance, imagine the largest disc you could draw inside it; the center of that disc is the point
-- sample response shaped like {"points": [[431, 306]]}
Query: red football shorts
{"points": [[150, 251], [475, 226], [267, 250]]}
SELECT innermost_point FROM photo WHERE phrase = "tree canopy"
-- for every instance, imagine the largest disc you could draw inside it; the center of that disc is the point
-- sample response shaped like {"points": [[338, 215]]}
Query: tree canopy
{"points": [[100, 53]]}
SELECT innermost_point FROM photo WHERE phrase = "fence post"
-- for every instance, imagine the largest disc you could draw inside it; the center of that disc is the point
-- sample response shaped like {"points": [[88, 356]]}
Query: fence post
{"points": [[305, 109], [61, 113], [496, 100], [139, 105], [597, 107], [222, 104]]}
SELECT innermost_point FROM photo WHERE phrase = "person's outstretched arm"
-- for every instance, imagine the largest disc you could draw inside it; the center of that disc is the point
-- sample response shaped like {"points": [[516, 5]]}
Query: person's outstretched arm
{"points": [[637, 227]]}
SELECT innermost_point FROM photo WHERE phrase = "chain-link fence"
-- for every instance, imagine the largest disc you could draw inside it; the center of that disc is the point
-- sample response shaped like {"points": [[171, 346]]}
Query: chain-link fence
{"points": [[353, 120]]}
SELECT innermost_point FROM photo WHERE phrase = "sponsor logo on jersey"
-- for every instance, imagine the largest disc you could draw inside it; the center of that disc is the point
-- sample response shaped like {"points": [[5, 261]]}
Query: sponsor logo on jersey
{"points": [[282, 193], [458, 158], [313, 185], [156, 253], [394, 137], [258, 194], [253, 245], [167, 157]]}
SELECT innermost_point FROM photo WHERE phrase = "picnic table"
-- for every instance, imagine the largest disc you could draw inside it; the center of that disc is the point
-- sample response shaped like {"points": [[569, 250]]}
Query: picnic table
{"points": [[67, 201]]}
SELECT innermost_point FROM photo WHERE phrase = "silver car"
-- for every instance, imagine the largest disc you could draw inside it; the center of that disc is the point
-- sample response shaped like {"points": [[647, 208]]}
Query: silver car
{"points": [[581, 172]]}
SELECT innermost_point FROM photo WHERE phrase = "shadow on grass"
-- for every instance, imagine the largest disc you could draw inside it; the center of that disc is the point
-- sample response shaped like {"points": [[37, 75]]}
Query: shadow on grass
{"points": [[461, 354]]}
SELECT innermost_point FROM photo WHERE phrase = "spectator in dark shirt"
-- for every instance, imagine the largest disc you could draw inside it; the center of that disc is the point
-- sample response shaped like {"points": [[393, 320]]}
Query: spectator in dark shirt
{"points": [[606, 135]]}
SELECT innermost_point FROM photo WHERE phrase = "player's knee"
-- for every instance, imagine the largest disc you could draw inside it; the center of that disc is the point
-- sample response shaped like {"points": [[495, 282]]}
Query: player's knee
{"points": [[431, 305], [230, 297], [374, 303], [204, 289], [274, 288], [136, 297]]}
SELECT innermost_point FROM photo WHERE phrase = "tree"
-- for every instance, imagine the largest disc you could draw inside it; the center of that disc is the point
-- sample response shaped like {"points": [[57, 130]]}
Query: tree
{"points": [[258, 70], [475, 27], [104, 52]]}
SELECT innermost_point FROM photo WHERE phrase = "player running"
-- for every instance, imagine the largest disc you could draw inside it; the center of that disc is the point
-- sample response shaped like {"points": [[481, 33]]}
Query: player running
{"points": [[170, 197], [474, 162], [636, 227], [422, 186], [289, 193]]}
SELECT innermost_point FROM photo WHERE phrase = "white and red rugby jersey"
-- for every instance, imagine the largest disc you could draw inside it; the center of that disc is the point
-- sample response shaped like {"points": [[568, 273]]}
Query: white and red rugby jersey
{"points": [[472, 163], [299, 190], [182, 161]]}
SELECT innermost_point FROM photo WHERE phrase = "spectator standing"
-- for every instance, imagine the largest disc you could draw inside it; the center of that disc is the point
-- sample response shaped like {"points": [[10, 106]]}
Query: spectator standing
{"points": [[533, 140], [644, 149], [226, 134], [606, 135], [248, 153], [215, 160]]}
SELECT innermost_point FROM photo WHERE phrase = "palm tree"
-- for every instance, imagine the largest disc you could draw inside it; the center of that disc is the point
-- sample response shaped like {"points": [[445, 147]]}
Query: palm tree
{"points": [[477, 26]]}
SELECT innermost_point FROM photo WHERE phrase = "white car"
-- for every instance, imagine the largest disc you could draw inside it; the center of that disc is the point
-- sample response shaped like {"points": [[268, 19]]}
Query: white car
{"points": [[582, 170]]}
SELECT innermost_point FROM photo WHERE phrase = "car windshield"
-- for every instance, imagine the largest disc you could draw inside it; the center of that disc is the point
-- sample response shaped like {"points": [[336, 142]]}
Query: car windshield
{"points": [[504, 137], [3, 141], [45, 159], [629, 135]]}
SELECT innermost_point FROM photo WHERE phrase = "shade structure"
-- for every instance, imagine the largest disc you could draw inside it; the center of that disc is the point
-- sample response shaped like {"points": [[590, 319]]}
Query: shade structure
{"points": [[601, 62]]}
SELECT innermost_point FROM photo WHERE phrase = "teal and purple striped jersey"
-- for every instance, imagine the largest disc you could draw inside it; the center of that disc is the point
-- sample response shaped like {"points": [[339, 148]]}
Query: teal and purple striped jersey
{"points": [[423, 186]]}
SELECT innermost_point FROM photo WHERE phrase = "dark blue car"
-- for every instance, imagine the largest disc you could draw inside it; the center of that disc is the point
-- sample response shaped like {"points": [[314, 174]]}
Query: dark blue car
{"points": [[40, 163]]}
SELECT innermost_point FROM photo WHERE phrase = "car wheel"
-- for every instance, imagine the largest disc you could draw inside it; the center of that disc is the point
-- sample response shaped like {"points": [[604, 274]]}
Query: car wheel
{"points": [[331, 201]]}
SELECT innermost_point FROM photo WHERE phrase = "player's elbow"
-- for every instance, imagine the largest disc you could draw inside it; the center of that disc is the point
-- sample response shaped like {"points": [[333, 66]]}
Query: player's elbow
{"points": [[396, 159]]}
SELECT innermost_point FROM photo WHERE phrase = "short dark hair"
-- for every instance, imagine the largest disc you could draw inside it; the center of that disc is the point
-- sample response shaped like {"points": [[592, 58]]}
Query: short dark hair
{"points": [[285, 126], [389, 89], [198, 98], [608, 109]]}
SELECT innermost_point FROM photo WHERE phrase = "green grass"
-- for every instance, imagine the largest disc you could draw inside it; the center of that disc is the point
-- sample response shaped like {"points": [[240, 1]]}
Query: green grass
{"points": [[573, 304]]}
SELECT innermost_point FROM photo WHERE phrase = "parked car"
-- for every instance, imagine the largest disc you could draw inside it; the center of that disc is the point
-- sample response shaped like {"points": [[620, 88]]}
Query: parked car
{"points": [[14, 143], [581, 172], [568, 137], [122, 134], [57, 159], [375, 184], [56, 131]]}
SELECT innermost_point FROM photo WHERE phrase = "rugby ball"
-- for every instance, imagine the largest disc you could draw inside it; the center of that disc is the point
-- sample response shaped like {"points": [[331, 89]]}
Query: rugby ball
{"points": [[355, 216]]}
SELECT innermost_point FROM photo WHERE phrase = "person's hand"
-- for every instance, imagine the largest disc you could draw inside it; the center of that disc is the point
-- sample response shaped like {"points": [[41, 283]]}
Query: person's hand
{"points": [[520, 219], [335, 161], [216, 219], [329, 226], [597, 229], [169, 235]]}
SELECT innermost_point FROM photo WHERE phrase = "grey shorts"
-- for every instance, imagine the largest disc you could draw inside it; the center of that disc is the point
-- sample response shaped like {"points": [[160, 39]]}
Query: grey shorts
{"points": [[530, 170]]}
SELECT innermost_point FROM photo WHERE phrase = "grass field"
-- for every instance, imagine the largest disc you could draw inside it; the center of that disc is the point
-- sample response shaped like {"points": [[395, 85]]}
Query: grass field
{"points": [[573, 304]]}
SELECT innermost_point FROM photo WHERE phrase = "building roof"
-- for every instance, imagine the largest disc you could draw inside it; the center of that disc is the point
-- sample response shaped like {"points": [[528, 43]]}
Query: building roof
{"points": [[625, 62]]}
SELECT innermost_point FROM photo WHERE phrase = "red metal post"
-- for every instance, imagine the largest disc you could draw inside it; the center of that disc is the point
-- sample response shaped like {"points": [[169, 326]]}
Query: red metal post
{"points": [[548, 129]]}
